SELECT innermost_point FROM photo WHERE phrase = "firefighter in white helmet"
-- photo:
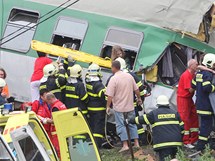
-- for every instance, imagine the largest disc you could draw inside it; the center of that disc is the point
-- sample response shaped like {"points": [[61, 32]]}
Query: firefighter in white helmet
{"points": [[54, 80], [202, 83], [167, 128], [2, 85], [97, 103], [75, 93]]}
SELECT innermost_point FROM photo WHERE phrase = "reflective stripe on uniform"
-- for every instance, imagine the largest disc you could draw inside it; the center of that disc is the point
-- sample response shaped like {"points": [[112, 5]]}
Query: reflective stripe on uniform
{"points": [[165, 123], [66, 62], [61, 75], [137, 120], [43, 87], [63, 87], [53, 133], [84, 112], [98, 135], [140, 131], [186, 132], [142, 93], [182, 132], [167, 144], [72, 96], [55, 91], [135, 104], [139, 84], [213, 88], [206, 83], [96, 108], [146, 119], [203, 138], [85, 96], [91, 94], [57, 83], [194, 82], [194, 129], [204, 112], [199, 80], [80, 137], [100, 92], [181, 123]]}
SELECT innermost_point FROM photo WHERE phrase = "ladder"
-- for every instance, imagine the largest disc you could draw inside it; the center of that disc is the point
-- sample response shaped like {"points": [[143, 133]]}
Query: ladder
{"points": [[65, 52]]}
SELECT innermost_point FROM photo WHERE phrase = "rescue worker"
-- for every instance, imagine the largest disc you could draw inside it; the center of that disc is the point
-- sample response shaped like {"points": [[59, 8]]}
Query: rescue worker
{"points": [[56, 105], [54, 80], [186, 106], [2, 98], [167, 128], [202, 83], [43, 110], [96, 105], [75, 94], [142, 94]]}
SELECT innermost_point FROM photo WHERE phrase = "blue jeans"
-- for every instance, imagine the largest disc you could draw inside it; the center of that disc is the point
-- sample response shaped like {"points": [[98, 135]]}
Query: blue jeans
{"points": [[120, 126]]}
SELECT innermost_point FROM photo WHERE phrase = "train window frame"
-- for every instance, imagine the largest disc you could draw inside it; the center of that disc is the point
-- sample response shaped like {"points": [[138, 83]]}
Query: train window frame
{"points": [[70, 34], [124, 46], [11, 25]]}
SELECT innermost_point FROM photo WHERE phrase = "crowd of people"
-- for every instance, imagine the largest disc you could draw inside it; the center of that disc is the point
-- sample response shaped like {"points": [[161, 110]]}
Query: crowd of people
{"points": [[59, 86]]}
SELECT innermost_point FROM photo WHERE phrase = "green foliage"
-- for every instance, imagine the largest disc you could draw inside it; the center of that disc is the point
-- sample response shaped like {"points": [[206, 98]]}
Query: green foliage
{"points": [[207, 155], [181, 155]]}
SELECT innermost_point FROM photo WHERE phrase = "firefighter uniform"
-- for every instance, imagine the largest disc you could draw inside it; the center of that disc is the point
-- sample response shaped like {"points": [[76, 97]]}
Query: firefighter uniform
{"points": [[55, 83], [57, 106], [202, 84], [97, 103], [167, 129], [75, 94]]}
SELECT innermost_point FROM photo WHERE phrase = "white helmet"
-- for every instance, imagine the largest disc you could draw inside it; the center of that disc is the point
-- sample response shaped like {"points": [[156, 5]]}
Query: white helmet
{"points": [[49, 70], [162, 100], [75, 71], [56, 65], [209, 60], [2, 83], [94, 70], [122, 63]]}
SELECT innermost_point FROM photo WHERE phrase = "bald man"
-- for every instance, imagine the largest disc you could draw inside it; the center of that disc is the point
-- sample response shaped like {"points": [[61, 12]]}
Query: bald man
{"points": [[186, 106]]}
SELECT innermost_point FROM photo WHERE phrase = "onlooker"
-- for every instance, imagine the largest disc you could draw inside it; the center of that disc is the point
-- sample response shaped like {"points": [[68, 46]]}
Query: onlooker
{"points": [[186, 106], [56, 105], [39, 64], [120, 92], [43, 111], [2, 85], [117, 52], [167, 128], [3, 75]]}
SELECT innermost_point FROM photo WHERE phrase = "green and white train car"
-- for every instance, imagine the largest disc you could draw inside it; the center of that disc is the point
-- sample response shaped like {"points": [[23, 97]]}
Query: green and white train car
{"points": [[94, 26]]}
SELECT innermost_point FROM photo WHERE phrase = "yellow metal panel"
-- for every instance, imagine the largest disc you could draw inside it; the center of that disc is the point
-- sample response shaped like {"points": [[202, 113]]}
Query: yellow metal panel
{"points": [[71, 123], [151, 75], [65, 52]]}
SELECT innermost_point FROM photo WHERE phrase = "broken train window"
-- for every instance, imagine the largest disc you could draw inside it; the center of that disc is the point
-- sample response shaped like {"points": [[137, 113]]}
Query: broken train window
{"points": [[174, 62], [130, 41]]}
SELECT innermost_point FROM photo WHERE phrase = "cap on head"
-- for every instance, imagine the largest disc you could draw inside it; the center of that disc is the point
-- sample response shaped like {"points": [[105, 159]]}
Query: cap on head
{"points": [[122, 63], [49, 70], [162, 100], [94, 70], [209, 60], [75, 71], [2, 82]]}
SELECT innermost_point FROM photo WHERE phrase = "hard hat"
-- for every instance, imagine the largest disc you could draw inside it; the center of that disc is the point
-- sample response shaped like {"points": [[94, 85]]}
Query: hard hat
{"points": [[2, 82], [209, 60], [56, 65], [122, 63], [94, 70], [162, 100], [49, 70], [75, 71]]}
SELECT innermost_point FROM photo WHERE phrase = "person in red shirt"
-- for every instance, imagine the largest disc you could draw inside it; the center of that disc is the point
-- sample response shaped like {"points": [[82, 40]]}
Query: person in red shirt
{"points": [[186, 106], [56, 105], [39, 64], [43, 111]]}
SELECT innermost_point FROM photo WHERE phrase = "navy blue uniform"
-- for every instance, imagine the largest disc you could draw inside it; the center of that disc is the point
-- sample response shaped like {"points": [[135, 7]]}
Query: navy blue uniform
{"points": [[202, 83]]}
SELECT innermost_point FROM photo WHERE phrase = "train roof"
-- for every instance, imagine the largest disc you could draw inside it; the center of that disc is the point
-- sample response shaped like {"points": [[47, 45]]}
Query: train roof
{"points": [[174, 14]]}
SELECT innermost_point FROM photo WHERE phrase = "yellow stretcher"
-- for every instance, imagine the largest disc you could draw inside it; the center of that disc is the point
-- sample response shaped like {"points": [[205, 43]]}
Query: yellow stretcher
{"points": [[65, 52]]}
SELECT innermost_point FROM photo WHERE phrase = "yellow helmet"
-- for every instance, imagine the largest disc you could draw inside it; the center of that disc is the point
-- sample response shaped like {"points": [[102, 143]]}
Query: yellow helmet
{"points": [[49, 70], [209, 60], [162, 100], [122, 63], [75, 71], [2, 83], [94, 70]]}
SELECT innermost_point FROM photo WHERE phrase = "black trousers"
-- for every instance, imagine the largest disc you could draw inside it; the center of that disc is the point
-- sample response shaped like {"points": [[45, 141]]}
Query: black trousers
{"points": [[167, 152], [97, 125]]}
